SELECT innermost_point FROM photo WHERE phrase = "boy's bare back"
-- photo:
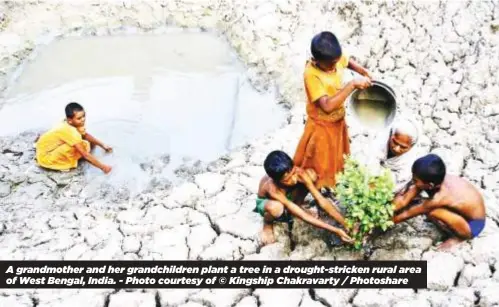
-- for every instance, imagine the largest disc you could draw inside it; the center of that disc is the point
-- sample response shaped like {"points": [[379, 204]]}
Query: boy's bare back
{"points": [[460, 195]]}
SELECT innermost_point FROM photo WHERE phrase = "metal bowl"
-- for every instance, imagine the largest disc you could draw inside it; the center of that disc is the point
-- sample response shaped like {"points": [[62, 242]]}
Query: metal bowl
{"points": [[374, 107]]}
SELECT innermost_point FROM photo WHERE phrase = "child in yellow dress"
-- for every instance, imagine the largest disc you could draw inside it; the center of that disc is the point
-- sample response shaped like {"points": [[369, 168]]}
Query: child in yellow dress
{"points": [[325, 139], [61, 147]]}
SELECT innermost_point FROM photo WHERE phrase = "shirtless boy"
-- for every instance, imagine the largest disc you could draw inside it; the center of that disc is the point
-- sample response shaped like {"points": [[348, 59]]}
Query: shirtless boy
{"points": [[283, 190], [454, 203]]}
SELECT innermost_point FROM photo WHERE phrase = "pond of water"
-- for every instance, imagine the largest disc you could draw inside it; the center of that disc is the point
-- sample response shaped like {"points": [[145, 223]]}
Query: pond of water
{"points": [[156, 99]]}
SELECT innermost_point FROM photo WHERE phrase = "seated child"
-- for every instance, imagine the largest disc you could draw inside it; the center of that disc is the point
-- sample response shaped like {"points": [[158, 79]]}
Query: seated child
{"points": [[454, 203], [283, 190], [62, 147]]}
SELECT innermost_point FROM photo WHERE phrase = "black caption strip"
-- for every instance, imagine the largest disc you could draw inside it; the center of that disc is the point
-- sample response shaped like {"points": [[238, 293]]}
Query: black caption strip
{"points": [[213, 274]]}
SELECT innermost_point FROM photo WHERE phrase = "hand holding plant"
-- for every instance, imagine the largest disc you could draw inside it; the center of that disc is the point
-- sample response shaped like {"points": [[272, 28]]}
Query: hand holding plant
{"points": [[345, 237]]}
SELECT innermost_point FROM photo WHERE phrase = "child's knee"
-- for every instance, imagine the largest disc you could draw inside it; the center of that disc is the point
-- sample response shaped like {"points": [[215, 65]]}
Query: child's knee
{"points": [[435, 216], [274, 208], [451, 226]]}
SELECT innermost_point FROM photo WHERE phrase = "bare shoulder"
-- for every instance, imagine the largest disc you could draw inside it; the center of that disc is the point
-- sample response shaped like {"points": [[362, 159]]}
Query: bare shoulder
{"points": [[263, 186], [462, 188], [263, 180], [267, 186]]}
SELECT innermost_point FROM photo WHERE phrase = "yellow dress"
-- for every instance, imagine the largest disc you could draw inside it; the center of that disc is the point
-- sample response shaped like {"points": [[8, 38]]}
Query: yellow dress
{"points": [[55, 148], [325, 139]]}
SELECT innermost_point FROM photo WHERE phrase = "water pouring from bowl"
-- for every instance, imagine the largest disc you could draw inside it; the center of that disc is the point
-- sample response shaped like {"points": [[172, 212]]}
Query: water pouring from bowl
{"points": [[375, 107]]}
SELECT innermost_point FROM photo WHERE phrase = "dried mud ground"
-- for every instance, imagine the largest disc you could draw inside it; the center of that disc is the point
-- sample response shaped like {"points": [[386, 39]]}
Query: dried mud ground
{"points": [[442, 59]]}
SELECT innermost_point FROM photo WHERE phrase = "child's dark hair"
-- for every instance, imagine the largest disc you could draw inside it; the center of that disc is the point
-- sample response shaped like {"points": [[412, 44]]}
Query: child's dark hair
{"points": [[277, 164], [325, 47], [71, 108], [430, 169]]}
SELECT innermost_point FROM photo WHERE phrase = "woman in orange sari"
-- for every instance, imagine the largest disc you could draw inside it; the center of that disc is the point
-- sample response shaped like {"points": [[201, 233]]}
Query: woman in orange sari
{"points": [[325, 139]]}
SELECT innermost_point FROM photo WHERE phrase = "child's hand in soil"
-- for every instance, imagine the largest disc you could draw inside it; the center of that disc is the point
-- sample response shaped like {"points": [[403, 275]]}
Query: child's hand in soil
{"points": [[344, 237]]}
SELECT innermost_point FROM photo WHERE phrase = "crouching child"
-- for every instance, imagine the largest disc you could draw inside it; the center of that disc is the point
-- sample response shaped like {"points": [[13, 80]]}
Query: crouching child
{"points": [[454, 203], [64, 145], [281, 193]]}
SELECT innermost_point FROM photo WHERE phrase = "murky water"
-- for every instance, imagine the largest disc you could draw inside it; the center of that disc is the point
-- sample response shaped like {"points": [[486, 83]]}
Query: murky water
{"points": [[373, 108], [157, 100], [372, 113]]}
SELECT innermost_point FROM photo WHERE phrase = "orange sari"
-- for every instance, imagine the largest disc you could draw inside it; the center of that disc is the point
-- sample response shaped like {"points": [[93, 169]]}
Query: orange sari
{"points": [[325, 139]]}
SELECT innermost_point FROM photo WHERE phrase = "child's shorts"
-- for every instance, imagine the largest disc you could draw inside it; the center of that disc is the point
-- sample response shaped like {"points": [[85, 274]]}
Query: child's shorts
{"points": [[285, 217], [476, 227]]}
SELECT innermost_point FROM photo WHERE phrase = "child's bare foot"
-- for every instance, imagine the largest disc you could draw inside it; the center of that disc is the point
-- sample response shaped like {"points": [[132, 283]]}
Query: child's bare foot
{"points": [[450, 243], [267, 234]]}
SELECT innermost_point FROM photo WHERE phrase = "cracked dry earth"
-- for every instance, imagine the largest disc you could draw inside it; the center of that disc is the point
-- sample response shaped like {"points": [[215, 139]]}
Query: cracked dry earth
{"points": [[441, 58]]}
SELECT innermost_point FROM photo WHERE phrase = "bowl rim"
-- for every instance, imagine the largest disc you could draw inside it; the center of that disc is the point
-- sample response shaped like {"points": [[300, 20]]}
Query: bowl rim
{"points": [[386, 87], [390, 118]]}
